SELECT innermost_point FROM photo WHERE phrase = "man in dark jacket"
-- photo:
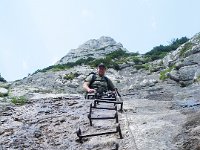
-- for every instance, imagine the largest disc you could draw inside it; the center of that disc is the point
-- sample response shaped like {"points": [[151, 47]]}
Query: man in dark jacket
{"points": [[98, 82]]}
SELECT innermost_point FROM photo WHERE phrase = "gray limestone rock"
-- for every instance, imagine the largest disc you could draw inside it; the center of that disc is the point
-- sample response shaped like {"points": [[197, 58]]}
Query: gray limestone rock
{"points": [[171, 58], [3, 91], [187, 72], [197, 75], [150, 82], [187, 65], [174, 75], [188, 61], [95, 48], [125, 65], [195, 49]]}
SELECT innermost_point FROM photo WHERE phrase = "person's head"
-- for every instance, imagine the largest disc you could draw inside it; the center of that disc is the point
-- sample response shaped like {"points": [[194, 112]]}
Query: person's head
{"points": [[101, 69]]}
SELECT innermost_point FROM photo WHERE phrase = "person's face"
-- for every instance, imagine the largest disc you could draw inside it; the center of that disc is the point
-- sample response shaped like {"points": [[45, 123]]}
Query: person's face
{"points": [[101, 71]]}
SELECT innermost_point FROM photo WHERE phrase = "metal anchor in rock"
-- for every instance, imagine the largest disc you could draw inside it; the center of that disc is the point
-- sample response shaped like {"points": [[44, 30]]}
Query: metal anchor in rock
{"points": [[97, 101], [80, 136], [102, 118], [107, 108]]}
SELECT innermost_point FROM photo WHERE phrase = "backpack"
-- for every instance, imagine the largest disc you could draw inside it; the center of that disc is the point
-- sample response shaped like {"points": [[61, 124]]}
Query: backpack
{"points": [[94, 78]]}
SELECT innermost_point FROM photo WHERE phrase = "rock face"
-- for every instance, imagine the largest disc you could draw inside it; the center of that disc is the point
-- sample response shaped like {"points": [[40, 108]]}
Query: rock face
{"points": [[92, 48], [51, 82], [3, 91], [186, 62], [157, 114]]}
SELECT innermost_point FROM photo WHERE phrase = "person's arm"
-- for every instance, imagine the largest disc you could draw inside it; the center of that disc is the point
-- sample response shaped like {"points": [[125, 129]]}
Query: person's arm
{"points": [[111, 85], [87, 83], [86, 87]]}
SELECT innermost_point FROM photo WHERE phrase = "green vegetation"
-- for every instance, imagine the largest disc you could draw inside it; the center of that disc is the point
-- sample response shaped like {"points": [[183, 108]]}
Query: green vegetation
{"points": [[146, 66], [163, 75], [3, 95], [115, 58], [61, 67], [19, 100], [161, 51], [187, 46], [137, 60], [117, 54], [198, 78], [6, 86], [70, 76], [109, 61], [2, 79], [142, 66]]}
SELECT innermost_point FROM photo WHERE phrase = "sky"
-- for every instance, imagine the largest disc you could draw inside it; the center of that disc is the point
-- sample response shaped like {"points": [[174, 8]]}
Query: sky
{"points": [[35, 34]]}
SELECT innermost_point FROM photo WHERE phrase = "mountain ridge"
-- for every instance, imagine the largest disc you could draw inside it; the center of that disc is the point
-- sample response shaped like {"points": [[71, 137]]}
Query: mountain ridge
{"points": [[92, 48]]}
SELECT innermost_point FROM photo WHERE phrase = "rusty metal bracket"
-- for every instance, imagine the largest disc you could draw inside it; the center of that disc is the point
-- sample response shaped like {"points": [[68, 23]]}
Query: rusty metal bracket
{"points": [[102, 118], [115, 108], [108, 98], [96, 101], [80, 136]]}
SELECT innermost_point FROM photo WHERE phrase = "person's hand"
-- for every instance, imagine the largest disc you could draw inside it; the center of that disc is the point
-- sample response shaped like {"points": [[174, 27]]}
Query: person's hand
{"points": [[91, 90]]}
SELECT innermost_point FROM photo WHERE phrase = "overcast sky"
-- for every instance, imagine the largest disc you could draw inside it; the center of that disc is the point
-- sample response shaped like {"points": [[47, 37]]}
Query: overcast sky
{"points": [[36, 33]]}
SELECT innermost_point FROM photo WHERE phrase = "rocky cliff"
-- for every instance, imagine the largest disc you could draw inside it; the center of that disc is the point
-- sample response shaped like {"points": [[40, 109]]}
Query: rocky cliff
{"points": [[185, 62], [161, 102], [95, 48]]}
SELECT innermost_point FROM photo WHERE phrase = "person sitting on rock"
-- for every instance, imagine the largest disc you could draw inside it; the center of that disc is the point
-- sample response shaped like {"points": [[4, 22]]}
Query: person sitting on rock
{"points": [[98, 82]]}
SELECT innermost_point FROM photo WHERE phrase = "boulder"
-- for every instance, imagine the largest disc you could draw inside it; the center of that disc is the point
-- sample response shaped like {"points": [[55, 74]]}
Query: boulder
{"points": [[148, 82], [171, 58], [3, 92], [174, 75], [187, 73], [189, 61], [125, 65], [185, 83], [195, 49], [73, 84]]}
